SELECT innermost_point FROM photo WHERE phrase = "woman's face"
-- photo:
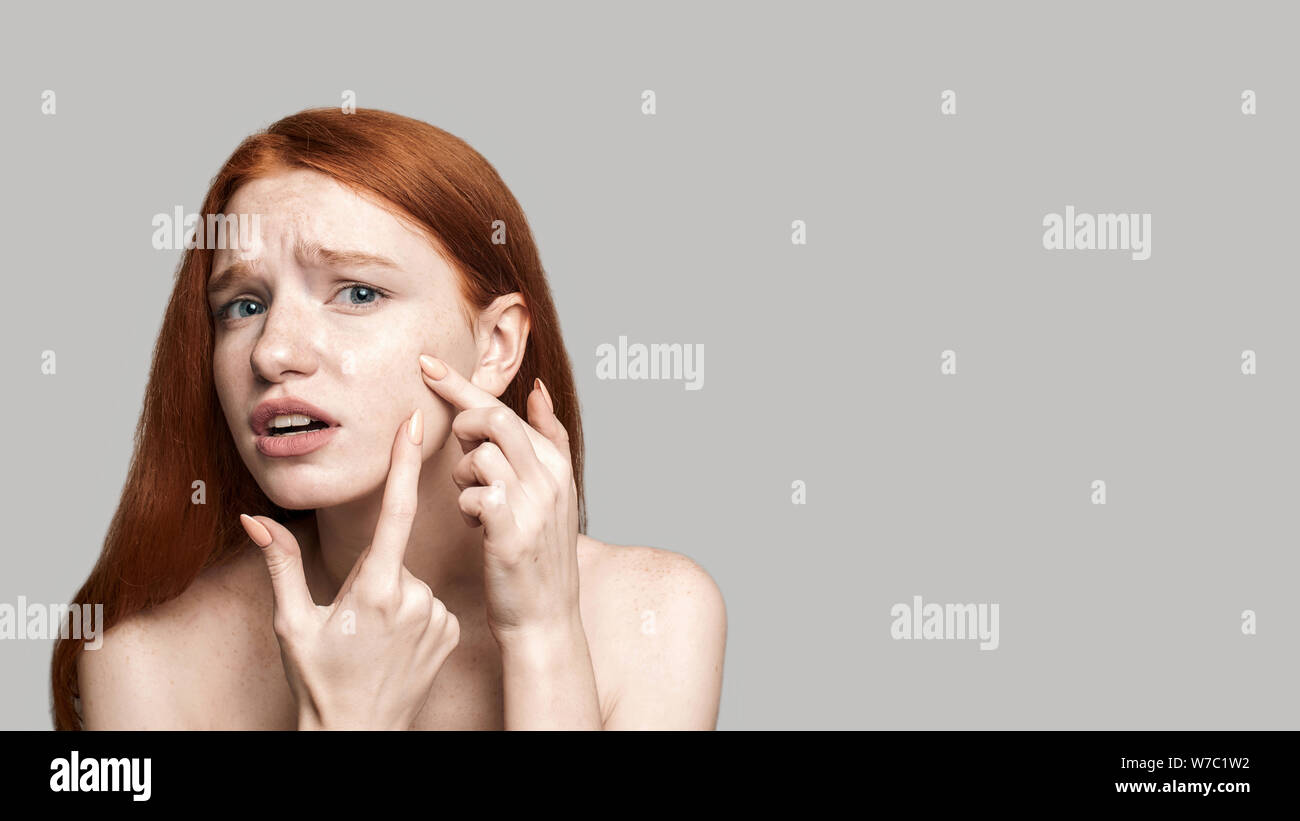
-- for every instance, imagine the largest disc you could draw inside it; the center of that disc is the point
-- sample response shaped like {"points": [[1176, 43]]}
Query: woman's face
{"points": [[333, 305]]}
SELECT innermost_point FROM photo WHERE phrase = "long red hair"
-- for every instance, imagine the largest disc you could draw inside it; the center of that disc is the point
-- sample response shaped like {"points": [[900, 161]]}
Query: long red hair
{"points": [[158, 541]]}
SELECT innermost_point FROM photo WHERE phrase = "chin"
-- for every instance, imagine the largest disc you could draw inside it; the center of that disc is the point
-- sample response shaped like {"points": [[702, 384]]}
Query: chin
{"points": [[289, 497], [305, 493], [294, 498], [327, 480]]}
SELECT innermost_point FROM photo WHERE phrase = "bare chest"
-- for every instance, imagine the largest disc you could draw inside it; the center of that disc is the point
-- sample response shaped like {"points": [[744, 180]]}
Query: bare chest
{"points": [[241, 683], [468, 693], [246, 688]]}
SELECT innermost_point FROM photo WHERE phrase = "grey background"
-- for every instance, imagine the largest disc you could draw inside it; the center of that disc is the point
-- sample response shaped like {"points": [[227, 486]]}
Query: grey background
{"points": [[821, 360]]}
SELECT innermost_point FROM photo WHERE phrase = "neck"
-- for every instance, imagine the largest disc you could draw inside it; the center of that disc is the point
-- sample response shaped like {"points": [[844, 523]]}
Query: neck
{"points": [[443, 551]]}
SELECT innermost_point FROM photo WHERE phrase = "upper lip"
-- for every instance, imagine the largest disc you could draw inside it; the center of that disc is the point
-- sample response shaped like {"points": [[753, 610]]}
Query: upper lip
{"points": [[260, 418]]}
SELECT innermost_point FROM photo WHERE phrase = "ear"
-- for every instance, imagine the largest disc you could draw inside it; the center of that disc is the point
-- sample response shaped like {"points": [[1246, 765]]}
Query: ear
{"points": [[501, 336]]}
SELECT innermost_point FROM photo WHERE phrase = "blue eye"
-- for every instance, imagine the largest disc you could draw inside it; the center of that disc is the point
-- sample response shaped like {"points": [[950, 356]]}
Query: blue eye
{"points": [[362, 295], [371, 295], [224, 311]]}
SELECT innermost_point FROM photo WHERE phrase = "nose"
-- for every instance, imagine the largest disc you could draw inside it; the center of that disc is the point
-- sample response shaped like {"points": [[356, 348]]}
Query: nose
{"points": [[286, 345]]}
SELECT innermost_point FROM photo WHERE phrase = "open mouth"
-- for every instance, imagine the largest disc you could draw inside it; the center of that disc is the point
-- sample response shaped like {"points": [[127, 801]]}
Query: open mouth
{"points": [[293, 425]]}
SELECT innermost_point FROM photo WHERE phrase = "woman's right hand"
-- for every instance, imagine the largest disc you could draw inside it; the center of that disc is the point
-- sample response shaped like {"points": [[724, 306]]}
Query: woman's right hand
{"points": [[368, 660]]}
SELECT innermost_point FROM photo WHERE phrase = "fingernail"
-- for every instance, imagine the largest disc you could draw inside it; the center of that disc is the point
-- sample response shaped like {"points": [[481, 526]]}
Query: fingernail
{"points": [[415, 430], [256, 530], [537, 383], [433, 367]]}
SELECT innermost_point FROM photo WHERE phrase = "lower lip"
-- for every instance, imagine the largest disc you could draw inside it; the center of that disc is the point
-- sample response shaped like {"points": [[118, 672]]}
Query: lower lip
{"points": [[296, 444]]}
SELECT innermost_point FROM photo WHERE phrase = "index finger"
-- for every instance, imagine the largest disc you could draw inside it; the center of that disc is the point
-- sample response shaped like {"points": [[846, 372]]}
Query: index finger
{"points": [[455, 388], [401, 498]]}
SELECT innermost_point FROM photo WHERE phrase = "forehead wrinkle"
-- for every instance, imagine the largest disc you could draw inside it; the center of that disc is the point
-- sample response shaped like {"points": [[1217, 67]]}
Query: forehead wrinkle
{"points": [[308, 251]]}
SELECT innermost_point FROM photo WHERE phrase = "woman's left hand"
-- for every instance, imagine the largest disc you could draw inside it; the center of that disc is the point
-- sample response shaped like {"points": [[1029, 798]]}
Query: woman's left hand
{"points": [[516, 479]]}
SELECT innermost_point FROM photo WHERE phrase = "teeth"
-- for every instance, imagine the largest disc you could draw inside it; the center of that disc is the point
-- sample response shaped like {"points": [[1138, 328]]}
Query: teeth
{"points": [[290, 420]]}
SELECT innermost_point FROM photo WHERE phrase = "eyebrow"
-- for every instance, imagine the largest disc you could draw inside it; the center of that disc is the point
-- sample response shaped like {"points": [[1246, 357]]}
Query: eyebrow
{"points": [[309, 252]]}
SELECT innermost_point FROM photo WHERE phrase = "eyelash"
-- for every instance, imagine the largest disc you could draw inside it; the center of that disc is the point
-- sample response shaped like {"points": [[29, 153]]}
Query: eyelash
{"points": [[380, 294]]}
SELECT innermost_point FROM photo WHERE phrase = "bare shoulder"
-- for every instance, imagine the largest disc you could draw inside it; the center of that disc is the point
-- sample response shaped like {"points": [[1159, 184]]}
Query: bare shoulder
{"points": [[649, 575], [661, 622], [156, 668]]}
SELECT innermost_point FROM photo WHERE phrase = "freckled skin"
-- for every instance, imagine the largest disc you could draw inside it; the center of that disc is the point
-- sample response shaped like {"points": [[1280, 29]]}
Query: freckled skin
{"points": [[214, 646], [357, 362]]}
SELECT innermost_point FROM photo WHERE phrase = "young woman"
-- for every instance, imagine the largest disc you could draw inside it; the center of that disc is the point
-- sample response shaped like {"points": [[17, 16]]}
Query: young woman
{"points": [[376, 396]]}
